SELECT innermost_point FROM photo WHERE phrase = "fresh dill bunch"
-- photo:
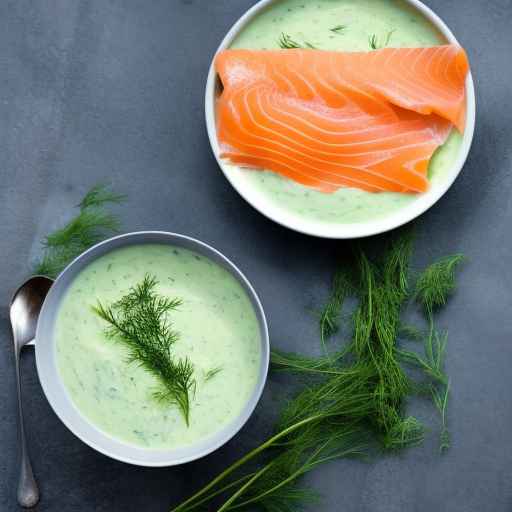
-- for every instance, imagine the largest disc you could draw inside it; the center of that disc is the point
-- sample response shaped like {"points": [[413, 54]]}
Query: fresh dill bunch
{"points": [[91, 225], [139, 320], [351, 402], [286, 42], [437, 282]]}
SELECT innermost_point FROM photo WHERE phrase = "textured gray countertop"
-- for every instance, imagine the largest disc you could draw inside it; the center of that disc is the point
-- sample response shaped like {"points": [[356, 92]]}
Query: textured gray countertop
{"points": [[94, 90]]}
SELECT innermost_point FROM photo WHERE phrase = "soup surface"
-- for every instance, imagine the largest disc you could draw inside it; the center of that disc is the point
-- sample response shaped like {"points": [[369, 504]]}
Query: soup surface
{"points": [[218, 331]]}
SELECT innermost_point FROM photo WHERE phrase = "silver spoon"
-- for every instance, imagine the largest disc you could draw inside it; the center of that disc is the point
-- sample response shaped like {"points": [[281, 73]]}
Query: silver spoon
{"points": [[24, 312]]}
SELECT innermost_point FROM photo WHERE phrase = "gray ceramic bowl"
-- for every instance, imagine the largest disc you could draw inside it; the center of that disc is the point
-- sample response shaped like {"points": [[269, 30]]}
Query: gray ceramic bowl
{"points": [[58, 396]]}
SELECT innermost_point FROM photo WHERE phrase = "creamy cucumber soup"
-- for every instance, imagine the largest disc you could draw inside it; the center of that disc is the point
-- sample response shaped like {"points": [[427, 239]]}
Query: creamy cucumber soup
{"points": [[219, 334], [354, 22]]}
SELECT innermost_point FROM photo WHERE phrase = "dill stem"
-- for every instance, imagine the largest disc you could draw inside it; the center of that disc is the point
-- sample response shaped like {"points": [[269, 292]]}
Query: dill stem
{"points": [[219, 491], [244, 487], [287, 480], [244, 459]]}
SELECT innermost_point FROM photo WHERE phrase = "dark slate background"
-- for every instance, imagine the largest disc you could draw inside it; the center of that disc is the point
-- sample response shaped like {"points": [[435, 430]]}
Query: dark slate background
{"points": [[113, 90]]}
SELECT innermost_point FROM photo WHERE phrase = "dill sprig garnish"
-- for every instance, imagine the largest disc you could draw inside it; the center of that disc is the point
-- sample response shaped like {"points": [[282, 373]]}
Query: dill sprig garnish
{"points": [[353, 400], [376, 44], [210, 374], [286, 42], [140, 321], [91, 225], [338, 29]]}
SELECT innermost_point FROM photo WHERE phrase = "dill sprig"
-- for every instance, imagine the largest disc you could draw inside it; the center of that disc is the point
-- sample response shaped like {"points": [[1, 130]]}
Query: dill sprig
{"points": [[329, 316], [432, 363], [376, 44], [286, 42], [140, 321], [338, 29], [91, 225], [352, 401], [210, 374], [437, 282], [99, 195]]}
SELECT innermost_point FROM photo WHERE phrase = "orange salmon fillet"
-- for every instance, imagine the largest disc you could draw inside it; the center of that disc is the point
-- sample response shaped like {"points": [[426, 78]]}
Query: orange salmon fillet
{"points": [[331, 119]]}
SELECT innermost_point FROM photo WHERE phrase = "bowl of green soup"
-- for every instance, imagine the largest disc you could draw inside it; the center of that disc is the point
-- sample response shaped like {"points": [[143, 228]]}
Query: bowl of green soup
{"points": [[152, 348], [337, 26]]}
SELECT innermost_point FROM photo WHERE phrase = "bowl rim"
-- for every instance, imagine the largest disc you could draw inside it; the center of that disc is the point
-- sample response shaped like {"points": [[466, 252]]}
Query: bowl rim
{"points": [[58, 396], [339, 230]]}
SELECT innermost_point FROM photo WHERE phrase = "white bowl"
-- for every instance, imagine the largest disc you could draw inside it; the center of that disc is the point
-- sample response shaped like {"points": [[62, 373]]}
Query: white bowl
{"points": [[337, 230], [58, 396]]}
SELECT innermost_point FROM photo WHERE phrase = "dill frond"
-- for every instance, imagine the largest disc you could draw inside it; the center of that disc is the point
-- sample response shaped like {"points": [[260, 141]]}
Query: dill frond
{"points": [[301, 364], [210, 374], [338, 29], [139, 320], [286, 42], [437, 282], [99, 195], [329, 316], [91, 225], [411, 332], [374, 42], [404, 433], [432, 363]]}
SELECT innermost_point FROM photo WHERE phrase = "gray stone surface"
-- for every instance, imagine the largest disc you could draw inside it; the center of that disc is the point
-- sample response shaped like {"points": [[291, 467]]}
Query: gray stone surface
{"points": [[113, 90]]}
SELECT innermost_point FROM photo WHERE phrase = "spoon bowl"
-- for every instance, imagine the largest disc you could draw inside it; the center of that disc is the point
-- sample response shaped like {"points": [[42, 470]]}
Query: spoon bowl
{"points": [[26, 304]]}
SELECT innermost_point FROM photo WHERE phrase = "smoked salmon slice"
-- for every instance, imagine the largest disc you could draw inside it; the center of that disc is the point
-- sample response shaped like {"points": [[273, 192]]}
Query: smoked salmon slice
{"points": [[331, 119]]}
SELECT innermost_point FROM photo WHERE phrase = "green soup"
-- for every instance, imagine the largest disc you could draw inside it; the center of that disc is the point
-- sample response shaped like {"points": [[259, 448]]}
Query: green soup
{"points": [[312, 21], [218, 329]]}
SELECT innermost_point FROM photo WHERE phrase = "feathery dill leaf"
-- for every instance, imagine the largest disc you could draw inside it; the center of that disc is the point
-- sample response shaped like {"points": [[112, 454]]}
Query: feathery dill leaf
{"points": [[298, 363], [411, 332], [353, 401], [432, 363], [99, 195], [374, 42], [437, 282], [210, 374], [338, 29], [91, 225], [139, 320], [329, 316], [286, 42]]}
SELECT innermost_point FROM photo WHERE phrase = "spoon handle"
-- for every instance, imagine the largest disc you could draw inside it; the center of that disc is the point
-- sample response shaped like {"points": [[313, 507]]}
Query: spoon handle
{"points": [[28, 492]]}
